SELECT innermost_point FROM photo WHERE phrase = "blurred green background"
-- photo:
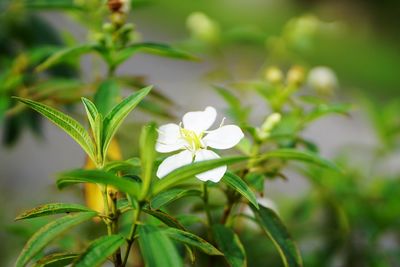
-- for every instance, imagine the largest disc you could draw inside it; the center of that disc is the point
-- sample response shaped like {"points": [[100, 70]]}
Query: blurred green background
{"points": [[337, 220]]}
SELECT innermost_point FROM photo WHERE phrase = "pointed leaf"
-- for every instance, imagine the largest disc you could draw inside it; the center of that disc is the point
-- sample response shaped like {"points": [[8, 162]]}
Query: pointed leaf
{"points": [[277, 232], [99, 250], [51, 209], [188, 171], [165, 218], [171, 195], [98, 177], [116, 116], [91, 112], [49, 232], [192, 240], [66, 123], [239, 185], [229, 243], [157, 249], [107, 96], [56, 260]]}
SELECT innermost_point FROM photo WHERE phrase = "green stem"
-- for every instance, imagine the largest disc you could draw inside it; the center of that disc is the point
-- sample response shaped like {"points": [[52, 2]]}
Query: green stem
{"points": [[206, 207], [132, 233]]}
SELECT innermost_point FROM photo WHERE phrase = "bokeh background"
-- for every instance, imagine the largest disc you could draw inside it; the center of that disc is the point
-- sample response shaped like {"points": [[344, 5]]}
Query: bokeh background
{"points": [[358, 40]]}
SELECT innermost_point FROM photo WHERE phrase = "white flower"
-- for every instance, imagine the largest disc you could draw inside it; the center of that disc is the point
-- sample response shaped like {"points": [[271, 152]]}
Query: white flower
{"points": [[323, 79], [193, 138]]}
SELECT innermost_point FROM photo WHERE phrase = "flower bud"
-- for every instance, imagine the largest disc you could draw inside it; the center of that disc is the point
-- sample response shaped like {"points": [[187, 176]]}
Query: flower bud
{"points": [[269, 124], [295, 76], [202, 27], [323, 80], [274, 75], [119, 6]]}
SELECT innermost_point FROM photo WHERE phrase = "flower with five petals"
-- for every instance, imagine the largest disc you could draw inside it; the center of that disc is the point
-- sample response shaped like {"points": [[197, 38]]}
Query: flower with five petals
{"points": [[192, 138]]}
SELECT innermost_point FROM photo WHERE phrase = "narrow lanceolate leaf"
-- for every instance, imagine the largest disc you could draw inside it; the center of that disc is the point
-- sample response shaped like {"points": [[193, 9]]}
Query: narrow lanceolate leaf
{"points": [[157, 249], [49, 232], [240, 186], [99, 177], [51, 209], [107, 96], [56, 260], [293, 154], [99, 250], [91, 112], [52, 4], [148, 139], [188, 171], [229, 243], [171, 195], [66, 123], [117, 115], [165, 218], [152, 48], [65, 54], [192, 240], [277, 232]]}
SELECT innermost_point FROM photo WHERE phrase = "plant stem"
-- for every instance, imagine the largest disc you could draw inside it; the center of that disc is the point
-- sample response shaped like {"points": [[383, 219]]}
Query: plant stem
{"points": [[206, 207], [131, 238]]}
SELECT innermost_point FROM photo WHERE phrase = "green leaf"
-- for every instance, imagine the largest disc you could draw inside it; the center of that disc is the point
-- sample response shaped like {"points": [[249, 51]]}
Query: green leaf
{"points": [[116, 116], [188, 171], [107, 96], [65, 54], [91, 112], [99, 250], [56, 260], [99, 177], [171, 195], [305, 156], [157, 249], [165, 218], [66, 123], [236, 111], [277, 232], [152, 48], [147, 143], [49, 232], [239, 185], [324, 109], [52, 4], [129, 165], [229, 243], [192, 240], [51, 209]]}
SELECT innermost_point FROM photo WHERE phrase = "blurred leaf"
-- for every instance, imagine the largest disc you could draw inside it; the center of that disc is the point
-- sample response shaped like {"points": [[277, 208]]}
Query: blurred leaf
{"points": [[49, 232], [293, 154], [106, 96], [117, 115], [125, 166], [171, 195], [52, 4], [237, 184], [256, 180], [56, 260], [323, 110], [51, 209], [98, 177], [238, 113], [66, 123], [192, 240], [99, 250], [165, 218], [188, 171], [229, 243], [152, 48], [65, 54], [147, 143], [91, 112], [277, 232], [157, 249]]}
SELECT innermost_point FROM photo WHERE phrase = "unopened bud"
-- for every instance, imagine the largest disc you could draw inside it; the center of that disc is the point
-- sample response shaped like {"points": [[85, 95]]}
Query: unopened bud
{"points": [[119, 6], [295, 76], [202, 27], [269, 124], [274, 75], [323, 80]]}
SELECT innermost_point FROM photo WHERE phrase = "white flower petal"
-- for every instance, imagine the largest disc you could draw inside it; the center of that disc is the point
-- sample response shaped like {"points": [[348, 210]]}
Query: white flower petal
{"points": [[223, 138], [213, 175], [199, 121], [174, 162], [169, 138]]}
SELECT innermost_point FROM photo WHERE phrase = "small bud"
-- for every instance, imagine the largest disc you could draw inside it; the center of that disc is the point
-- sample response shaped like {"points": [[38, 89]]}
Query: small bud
{"points": [[108, 27], [269, 124], [323, 80], [295, 76], [274, 75], [202, 27], [119, 6]]}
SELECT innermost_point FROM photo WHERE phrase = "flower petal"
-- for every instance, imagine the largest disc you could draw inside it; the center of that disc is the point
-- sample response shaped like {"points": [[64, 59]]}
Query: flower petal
{"points": [[169, 138], [174, 162], [223, 138], [213, 175], [199, 121]]}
